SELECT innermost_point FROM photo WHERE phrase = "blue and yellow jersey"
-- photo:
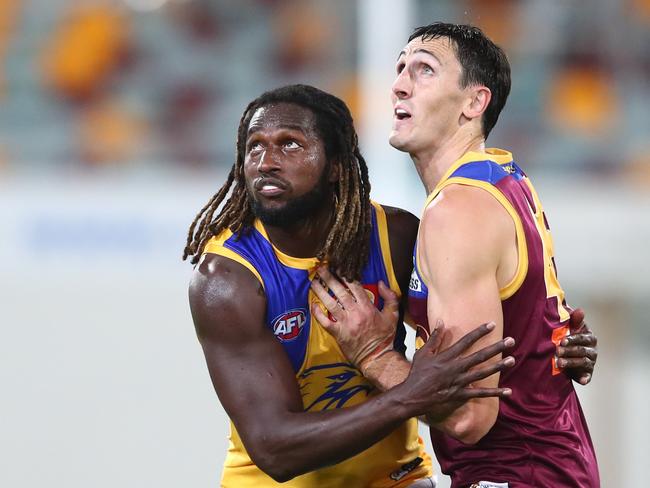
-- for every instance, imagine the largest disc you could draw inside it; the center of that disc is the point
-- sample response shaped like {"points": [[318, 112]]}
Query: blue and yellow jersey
{"points": [[325, 377]]}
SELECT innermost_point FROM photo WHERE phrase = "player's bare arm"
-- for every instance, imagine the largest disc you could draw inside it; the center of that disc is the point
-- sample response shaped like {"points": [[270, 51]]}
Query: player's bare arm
{"points": [[464, 273], [256, 384], [361, 327], [463, 291]]}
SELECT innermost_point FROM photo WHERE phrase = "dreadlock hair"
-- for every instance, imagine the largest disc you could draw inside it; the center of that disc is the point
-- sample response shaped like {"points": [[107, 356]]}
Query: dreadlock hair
{"points": [[346, 246], [483, 63]]}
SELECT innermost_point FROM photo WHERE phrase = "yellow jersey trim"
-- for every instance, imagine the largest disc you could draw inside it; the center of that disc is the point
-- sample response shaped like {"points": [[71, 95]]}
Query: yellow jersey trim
{"points": [[522, 249], [216, 246], [382, 228], [494, 154], [500, 157], [553, 288], [291, 261]]}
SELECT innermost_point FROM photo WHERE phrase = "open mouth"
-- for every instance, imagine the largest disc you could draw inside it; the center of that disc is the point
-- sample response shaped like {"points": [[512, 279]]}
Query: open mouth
{"points": [[402, 114], [270, 190], [269, 187]]}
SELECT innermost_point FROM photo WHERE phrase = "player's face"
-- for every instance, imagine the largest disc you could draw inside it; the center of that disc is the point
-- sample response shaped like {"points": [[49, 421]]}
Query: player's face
{"points": [[288, 177], [426, 95]]}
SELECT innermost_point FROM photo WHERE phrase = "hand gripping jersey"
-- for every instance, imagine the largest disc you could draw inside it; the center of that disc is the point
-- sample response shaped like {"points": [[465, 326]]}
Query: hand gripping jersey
{"points": [[326, 379], [540, 438]]}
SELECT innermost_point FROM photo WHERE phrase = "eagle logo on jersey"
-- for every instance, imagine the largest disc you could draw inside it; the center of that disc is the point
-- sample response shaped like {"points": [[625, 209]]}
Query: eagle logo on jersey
{"points": [[288, 326], [332, 385]]}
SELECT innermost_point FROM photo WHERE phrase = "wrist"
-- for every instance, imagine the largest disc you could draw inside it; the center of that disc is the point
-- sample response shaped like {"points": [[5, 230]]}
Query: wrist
{"points": [[373, 361], [364, 361], [387, 371], [403, 398]]}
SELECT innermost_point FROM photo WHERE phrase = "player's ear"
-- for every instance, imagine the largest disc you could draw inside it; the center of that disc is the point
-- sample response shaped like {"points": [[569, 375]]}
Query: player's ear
{"points": [[478, 101]]}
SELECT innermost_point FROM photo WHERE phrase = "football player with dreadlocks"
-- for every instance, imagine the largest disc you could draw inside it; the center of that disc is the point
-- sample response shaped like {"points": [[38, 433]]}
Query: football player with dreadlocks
{"points": [[300, 411]]}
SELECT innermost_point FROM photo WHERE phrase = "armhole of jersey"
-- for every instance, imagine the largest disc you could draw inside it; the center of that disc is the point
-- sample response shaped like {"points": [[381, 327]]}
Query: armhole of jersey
{"points": [[430, 197], [382, 230], [215, 246], [522, 249]]}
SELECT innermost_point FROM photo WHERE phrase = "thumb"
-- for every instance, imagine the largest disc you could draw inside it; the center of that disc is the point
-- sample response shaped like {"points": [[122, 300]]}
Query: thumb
{"points": [[577, 320], [391, 301], [435, 339]]}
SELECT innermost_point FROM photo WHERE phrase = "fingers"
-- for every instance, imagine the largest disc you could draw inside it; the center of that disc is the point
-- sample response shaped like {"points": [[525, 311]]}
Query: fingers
{"points": [[391, 301], [468, 339], [582, 363], [343, 294], [585, 379], [358, 292], [482, 373], [487, 352], [577, 352], [326, 299], [585, 338], [577, 320], [435, 339], [469, 393], [329, 325]]}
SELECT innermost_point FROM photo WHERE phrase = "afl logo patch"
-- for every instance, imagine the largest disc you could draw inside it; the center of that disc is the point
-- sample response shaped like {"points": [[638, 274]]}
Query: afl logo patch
{"points": [[288, 326]]}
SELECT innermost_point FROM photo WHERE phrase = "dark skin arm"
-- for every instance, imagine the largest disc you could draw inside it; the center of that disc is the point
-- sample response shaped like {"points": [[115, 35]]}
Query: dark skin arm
{"points": [[256, 383], [402, 234]]}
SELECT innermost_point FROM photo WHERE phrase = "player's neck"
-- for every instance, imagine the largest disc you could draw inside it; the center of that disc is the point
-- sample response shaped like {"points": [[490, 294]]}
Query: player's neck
{"points": [[304, 238], [432, 163]]}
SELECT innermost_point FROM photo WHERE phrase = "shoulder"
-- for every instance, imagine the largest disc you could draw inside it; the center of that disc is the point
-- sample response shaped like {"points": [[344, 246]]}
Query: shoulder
{"points": [[402, 234], [464, 228], [222, 291], [400, 221], [466, 208]]}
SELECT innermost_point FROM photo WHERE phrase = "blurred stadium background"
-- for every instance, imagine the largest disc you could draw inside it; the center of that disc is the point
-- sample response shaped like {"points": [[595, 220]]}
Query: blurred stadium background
{"points": [[118, 121]]}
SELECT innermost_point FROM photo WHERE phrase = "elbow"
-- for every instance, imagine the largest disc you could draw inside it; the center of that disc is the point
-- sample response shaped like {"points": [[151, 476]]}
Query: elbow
{"points": [[271, 450], [272, 464], [278, 475], [470, 435], [277, 449], [261, 445], [472, 427]]}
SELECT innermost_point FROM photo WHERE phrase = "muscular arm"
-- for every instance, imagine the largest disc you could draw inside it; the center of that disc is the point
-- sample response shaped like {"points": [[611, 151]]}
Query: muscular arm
{"points": [[256, 384], [465, 239], [362, 324], [460, 248]]}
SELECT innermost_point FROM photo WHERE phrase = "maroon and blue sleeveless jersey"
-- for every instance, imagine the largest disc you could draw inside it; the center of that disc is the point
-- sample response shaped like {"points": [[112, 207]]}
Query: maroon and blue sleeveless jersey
{"points": [[540, 438]]}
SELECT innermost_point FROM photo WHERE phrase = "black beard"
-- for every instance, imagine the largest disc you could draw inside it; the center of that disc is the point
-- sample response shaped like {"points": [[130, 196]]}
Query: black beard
{"points": [[296, 210]]}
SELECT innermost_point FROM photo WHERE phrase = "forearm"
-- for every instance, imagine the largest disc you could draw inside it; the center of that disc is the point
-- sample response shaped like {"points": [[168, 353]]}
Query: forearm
{"points": [[291, 444], [387, 371], [391, 369]]}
